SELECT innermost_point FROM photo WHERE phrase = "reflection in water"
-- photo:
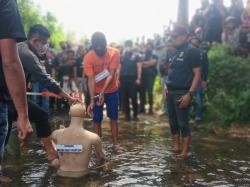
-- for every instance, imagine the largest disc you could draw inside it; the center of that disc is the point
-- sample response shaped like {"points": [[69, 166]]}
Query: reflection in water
{"points": [[146, 161]]}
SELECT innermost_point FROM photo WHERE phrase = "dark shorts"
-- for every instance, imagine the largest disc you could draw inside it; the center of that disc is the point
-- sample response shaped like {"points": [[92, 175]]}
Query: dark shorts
{"points": [[178, 117], [112, 103]]}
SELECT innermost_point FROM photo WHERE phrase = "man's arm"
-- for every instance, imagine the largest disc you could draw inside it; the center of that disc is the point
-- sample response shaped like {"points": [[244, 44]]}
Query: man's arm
{"points": [[32, 65], [186, 99], [15, 80], [149, 63], [91, 86], [108, 80], [196, 79], [139, 72]]}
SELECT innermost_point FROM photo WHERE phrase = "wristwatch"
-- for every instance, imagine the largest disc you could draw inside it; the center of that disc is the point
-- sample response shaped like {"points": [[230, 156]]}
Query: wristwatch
{"points": [[190, 93]]}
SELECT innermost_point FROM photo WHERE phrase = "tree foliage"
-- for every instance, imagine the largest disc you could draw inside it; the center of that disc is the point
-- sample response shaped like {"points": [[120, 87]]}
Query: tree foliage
{"points": [[31, 15], [229, 87]]}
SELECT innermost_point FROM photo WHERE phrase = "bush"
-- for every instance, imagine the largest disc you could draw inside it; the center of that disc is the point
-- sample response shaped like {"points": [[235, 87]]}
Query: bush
{"points": [[229, 87]]}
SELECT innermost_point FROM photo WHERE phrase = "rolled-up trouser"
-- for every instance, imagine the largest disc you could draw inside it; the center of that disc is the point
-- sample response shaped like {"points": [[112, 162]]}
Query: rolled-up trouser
{"points": [[178, 117], [3, 130], [38, 116]]}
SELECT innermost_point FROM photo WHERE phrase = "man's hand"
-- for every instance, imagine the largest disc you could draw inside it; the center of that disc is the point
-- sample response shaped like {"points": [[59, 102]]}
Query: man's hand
{"points": [[204, 85], [73, 100], [90, 109], [100, 101], [24, 129], [70, 99], [184, 101], [138, 82]]}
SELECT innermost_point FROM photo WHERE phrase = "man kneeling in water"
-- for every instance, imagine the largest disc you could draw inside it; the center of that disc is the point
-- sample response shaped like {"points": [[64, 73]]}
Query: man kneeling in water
{"points": [[74, 145]]}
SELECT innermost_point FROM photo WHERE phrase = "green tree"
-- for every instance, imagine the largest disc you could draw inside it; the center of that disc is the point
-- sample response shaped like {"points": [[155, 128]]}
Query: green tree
{"points": [[31, 15]]}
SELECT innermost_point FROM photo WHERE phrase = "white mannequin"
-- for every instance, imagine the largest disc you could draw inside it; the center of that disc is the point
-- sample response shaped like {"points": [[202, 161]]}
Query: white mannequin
{"points": [[75, 164]]}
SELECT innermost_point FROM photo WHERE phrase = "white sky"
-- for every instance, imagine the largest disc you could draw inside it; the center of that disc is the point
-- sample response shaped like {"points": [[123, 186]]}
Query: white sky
{"points": [[118, 19]]}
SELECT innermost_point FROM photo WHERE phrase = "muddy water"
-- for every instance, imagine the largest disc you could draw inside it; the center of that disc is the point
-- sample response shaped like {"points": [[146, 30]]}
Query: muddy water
{"points": [[146, 161]]}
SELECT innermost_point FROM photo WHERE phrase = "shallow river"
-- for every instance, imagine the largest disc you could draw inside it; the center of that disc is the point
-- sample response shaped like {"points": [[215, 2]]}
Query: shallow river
{"points": [[146, 161]]}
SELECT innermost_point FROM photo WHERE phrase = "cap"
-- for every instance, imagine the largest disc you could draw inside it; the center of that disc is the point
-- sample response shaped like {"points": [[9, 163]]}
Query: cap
{"points": [[179, 30], [230, 19]]}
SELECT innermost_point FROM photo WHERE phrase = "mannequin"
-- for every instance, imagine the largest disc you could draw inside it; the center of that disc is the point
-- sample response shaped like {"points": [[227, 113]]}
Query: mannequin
{"points": [[74, 145]]}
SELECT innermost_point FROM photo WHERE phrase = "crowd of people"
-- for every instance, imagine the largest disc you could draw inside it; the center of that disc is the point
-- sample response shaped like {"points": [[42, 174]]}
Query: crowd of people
{"points": [[214, 23], [122, 77]]}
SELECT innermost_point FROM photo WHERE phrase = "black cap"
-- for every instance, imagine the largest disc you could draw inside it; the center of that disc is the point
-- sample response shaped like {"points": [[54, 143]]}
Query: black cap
{"points": [[179, 30]]}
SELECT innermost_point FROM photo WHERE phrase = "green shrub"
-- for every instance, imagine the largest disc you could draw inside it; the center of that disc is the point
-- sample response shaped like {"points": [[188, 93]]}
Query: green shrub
{"points": [[229, 87]]}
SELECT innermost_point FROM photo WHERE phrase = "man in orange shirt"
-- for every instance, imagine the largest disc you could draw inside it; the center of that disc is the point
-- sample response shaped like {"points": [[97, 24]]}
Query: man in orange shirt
{"points": [[100, 66]]}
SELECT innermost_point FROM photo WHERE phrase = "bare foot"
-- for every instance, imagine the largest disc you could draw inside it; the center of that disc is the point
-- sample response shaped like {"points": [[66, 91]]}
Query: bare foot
{"points": [[118, 148], [182, 157], [176, 150], [4, 179]]}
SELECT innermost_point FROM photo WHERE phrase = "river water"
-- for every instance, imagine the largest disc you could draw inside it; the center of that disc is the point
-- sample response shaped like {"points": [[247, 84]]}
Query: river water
{"points": [[146, 161]]}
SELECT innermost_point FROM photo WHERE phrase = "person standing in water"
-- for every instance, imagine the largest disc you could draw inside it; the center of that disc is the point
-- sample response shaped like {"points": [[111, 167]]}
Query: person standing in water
{"points": [[184, 75], [100, 66]]}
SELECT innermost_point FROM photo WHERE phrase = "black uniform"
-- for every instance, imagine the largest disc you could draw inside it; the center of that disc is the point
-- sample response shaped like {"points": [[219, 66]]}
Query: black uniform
{"points": [[180, 77], [128, 76], [147, 82]]}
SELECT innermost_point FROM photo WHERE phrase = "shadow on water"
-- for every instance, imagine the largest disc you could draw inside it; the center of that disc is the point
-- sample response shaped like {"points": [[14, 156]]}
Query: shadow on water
{"points": [[146, 161]]}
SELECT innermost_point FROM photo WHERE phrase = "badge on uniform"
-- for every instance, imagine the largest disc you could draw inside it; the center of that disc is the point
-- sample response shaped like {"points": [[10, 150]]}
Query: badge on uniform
{"points": [[103, 75], [69, 148], [181, 54]]}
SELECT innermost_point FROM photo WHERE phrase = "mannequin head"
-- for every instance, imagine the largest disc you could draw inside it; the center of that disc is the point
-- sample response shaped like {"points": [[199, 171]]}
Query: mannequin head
{"points": [[77, 110]]}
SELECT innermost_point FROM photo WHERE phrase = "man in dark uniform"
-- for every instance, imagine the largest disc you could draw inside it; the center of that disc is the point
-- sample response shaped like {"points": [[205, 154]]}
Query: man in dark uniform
{"points": [[184, 75], [130, 76], [149, 72], [12, 80]]}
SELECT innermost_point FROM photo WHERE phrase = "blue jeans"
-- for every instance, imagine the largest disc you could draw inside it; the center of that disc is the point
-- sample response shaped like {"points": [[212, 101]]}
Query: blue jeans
{"points": [[37, 87], [3, 130], [199, 103]]}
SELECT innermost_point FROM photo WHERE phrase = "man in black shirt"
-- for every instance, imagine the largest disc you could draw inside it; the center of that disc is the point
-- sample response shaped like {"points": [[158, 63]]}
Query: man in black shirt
{"points": [[149, 72], [12, 80], [183, 77], [130, 76]]}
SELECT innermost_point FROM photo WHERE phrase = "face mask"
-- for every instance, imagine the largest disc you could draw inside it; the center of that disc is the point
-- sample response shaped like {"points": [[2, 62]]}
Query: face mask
{"points": [[41, 49], [100, 52], [128, 49]]}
